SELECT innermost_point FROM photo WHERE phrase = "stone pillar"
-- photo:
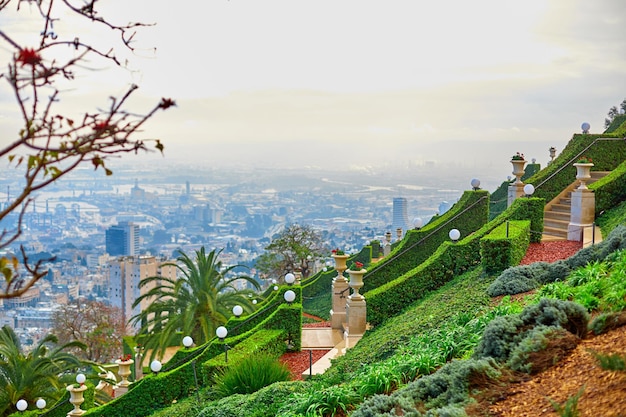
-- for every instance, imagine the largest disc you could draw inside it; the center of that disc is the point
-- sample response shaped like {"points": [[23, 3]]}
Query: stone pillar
{"points": [[387, 244], [517, 188], [340, 294], [515, 191], [356, 311], [582, 214]]}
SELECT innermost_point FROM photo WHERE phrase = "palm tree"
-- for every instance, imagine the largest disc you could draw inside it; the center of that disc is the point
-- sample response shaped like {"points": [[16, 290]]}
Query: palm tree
{"points": [[33, 375], [193, 304]]}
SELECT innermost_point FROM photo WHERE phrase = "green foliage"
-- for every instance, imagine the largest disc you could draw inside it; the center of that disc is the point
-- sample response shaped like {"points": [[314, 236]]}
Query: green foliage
{"points": [[34, 374], [611, 361], [528, 277], [609, 190], [449, 260], [534, 341], [465, 293], [320, 401], [264, 343], [607, 321], [510, 339], [467, 215], [607, 154], [195, 303], [505, 246], [443, 392], [250, 375], [612, 218], [570, 407]]}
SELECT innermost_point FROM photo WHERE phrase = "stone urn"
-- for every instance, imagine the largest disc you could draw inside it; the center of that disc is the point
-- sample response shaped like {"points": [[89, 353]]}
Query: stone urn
{"points": [[356, 283], [76, 399], [340, 262], [124, 371], [583, 173], [518, 170]]}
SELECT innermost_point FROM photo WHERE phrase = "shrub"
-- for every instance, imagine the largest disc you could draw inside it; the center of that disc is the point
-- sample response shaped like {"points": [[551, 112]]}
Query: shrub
{"points": [[320, 401], [610, 362], [250, 375], [608, 321], [570, 407], [550, 312], [541, 348]]}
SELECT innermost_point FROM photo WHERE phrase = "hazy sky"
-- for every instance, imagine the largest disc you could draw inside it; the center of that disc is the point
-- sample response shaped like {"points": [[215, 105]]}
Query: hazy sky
{"points": [[340, 83]]}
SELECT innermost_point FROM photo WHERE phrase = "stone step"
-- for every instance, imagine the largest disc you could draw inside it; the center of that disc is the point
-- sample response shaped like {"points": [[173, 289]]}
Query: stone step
{"points": [[556, 215], [555, 232], [557, 224], [561, 207]]}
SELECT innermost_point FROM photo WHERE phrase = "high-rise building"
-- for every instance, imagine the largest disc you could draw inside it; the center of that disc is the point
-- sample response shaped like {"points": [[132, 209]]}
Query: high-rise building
{"points": [[123, 239], [124, 276], [400, 216]]}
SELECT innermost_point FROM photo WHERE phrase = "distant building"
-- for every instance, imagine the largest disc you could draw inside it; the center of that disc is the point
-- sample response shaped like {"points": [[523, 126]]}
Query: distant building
{"points": [[124, 276], [400, 216], [123, 239]]}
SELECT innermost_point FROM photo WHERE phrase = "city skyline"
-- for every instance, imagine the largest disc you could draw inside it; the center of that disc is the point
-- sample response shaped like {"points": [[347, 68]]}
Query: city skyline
{"points": [[357, 84]]}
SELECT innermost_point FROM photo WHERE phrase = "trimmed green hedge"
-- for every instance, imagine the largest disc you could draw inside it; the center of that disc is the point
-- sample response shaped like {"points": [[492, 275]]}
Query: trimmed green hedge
{"points": [[271, 342], [175, 382], [610, 190], [467, 215], [449, 260], [607, 154], [505, 246]]}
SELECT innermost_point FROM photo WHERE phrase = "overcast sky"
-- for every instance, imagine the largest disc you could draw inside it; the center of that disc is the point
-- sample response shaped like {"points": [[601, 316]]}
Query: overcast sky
{"points": [[323, 83]]}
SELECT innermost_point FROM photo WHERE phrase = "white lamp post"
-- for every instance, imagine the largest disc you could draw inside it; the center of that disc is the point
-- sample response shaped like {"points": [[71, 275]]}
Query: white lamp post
{"points": [[289, 296], [454, 235], [21, 405], [41, 403], [187, 341], [221, 332], [155, 366], [237, 311], [290, 278], [418, 223], [475, 184], [81, 378], [529, 189], [275, 287]]}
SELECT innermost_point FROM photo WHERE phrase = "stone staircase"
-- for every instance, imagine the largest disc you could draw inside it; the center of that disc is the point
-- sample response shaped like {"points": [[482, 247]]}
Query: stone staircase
{"points": [[556, 215]]}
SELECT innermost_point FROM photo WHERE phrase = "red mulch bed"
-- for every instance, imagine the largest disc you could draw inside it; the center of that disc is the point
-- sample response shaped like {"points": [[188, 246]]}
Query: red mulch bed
{"points": [[550, 251], [298, 362]]}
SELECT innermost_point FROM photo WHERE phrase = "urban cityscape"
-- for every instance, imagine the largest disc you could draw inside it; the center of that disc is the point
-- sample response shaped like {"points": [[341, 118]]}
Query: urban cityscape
{"points": [[106, 233]]}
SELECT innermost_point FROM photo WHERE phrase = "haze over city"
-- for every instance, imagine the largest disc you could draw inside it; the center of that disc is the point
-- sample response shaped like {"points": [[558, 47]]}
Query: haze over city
{"points": [[351, 84]]}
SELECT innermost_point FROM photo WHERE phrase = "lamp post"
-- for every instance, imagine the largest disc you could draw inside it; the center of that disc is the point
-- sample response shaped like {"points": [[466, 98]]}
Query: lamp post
{"points": [[475, 184], [237, 311], [454, 235], [21, 405], [418, 223], [188, 340], [155, 366], [221, 332], [289, 296], [529, 189], [290, 278]]}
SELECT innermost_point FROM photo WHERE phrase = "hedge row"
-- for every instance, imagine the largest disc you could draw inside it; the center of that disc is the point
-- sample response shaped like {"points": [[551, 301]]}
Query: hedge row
{"points": [[505, 246], [607, 154], [271, 342], [449, 260], [467, 215], [157, 391], [610, 189]]}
